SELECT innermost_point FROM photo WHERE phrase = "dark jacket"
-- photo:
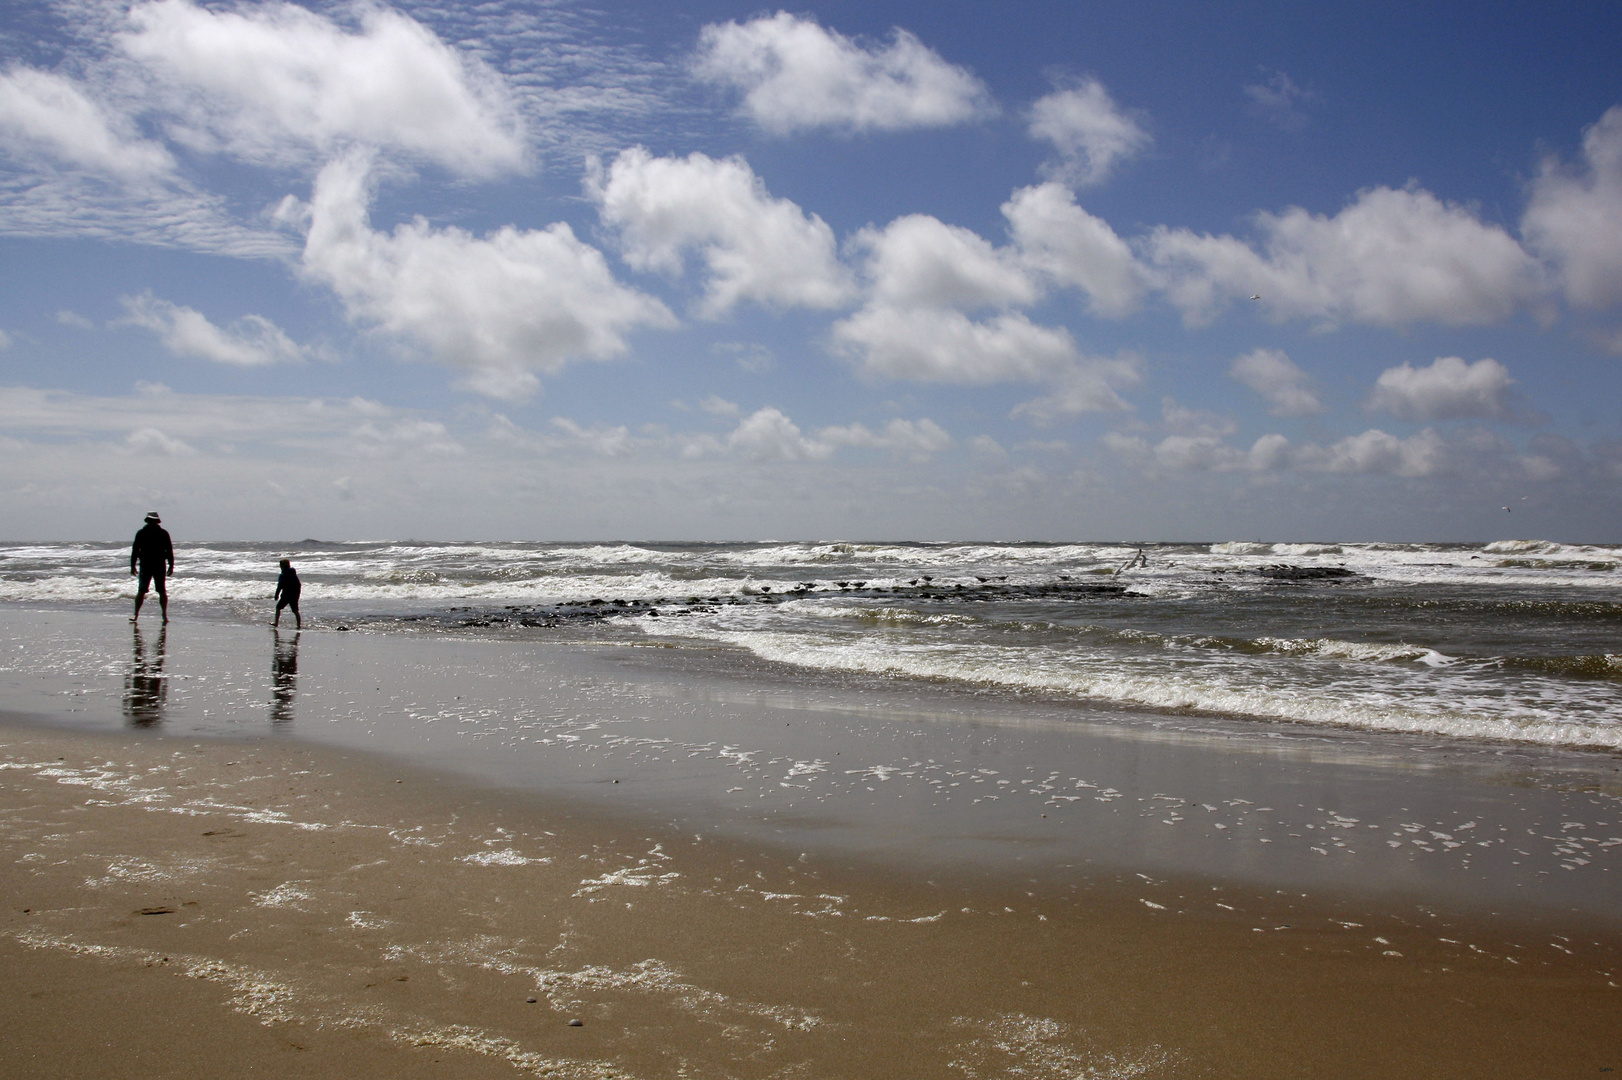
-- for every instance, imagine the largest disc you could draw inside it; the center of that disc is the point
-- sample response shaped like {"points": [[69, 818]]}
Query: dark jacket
{"points": [[287, 585], [152, 549]]}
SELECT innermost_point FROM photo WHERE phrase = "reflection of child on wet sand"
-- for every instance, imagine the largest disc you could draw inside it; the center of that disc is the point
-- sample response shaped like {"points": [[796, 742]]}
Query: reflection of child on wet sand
{"points": [[287, 590]]}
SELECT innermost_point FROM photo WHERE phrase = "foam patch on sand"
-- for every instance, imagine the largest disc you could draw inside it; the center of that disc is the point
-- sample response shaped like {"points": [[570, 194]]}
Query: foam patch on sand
{"points": [[1043, 1049], [566, 991], [472, 1040], [121, 787], [130, 870], [640, 876], [286, 895], [253, 993], [505, 857], [271, 1000]]}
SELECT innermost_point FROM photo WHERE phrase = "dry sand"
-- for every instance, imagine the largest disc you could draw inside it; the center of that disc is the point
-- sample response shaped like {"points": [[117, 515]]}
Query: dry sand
{"points": [[217, 908]]}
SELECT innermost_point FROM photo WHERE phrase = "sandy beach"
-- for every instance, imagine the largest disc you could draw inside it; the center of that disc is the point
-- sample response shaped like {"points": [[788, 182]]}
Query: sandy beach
{"points": [[233, 869], [229, 908]]}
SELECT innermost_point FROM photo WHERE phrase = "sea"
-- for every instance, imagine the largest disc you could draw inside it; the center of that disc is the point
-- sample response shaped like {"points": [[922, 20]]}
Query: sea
{"points": [[1512, 641]]}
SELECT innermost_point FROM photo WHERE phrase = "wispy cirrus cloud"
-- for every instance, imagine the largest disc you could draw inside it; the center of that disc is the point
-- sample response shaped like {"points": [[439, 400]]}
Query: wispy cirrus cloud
{"points": [[251, 341], [1280, 101], [1273, 375], [46, 115]]}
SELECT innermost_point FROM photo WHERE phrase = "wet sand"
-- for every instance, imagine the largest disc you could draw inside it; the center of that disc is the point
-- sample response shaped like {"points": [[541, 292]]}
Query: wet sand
{"points": [[232, 853], [227, 908], [924, 778]]}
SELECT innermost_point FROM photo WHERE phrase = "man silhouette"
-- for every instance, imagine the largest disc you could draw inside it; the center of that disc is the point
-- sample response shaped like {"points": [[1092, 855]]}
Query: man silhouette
{"points": [[152, 556], [287, 590]]}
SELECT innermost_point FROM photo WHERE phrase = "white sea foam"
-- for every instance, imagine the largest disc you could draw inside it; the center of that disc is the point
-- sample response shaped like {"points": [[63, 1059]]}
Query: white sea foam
{"points": [[1355, 650], [540, 573], [1200, 629], [1300, 550], [1456, 709]]}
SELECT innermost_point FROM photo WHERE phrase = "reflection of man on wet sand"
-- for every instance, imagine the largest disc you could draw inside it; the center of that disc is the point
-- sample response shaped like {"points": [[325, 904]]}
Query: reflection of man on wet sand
{"points": [[146, 691], [153, 557], [283, 677]]}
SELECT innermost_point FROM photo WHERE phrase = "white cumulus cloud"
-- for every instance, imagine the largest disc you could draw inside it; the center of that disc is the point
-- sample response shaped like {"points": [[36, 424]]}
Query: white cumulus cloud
{"points": [[1574, 217], [1199, 443], [273, 82], [919, 261], [923, 280], [1375, 451], [251, 341], [603, 440], [767, 434], [500, 306], [1274, 376], [1180, 419], [755, 247], [1085, 385], [944, 345], [1199, 453], [1066, 244], [43, 113], [921, 273], [795, 74], [1090, 132], [1448, 389], [916, 438], [151, 442], [1390, 258]]}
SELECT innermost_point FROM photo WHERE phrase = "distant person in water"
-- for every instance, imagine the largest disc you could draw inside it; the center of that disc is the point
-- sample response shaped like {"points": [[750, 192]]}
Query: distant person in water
{"points": [[287, 589], [152, 557]]}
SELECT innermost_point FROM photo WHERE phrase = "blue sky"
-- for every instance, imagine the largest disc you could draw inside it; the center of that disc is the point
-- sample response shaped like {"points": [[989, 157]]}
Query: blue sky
{"points": [[1041, 271]]}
